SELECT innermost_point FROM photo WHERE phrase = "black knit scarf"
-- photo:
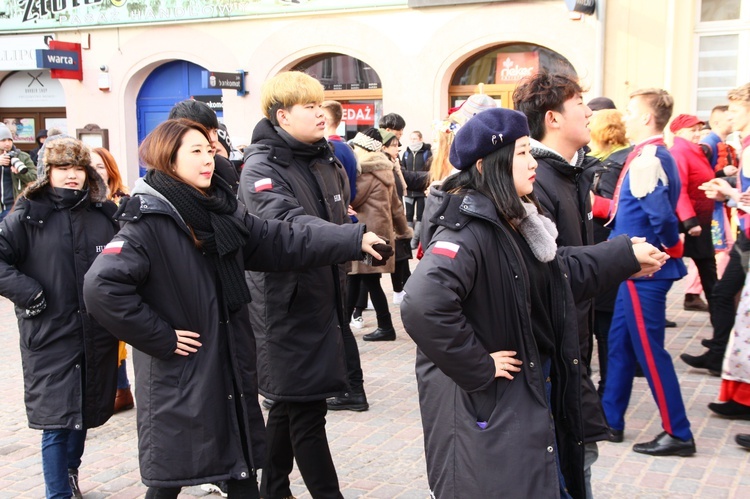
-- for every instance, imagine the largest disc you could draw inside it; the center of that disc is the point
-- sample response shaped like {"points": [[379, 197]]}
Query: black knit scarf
{"points": [[219, 233]]}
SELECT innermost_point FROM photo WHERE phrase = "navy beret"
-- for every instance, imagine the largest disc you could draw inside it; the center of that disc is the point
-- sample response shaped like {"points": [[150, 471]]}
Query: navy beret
{"points": [[485, 133]]}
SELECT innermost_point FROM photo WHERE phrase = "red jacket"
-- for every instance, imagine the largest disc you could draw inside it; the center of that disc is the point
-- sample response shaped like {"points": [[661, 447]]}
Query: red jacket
{"points": [[693, 207]]}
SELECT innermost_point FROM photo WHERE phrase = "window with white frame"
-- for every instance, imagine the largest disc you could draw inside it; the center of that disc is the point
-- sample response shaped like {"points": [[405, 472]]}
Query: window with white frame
{"points": [[723, 46]]}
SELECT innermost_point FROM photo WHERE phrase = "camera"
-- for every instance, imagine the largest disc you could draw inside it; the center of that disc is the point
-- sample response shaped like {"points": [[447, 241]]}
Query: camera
{"points": [[14, 161]]}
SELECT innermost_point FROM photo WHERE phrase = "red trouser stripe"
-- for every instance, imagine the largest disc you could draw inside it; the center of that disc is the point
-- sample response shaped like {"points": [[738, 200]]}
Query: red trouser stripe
{"points": [[661, 400]]}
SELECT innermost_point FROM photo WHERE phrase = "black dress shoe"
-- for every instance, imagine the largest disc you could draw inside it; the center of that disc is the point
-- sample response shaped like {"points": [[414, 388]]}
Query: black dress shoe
{"points": [[730, 410], [668, 323], [381, 335], [666, 445], [616, 436], [708, 360], [743, 439], [349, 402], [267, 403]]}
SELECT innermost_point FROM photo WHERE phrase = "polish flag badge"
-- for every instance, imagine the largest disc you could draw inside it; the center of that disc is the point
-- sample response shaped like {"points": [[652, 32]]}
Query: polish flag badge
{"points": [[263, 184], [446, 248], [113, 248]]}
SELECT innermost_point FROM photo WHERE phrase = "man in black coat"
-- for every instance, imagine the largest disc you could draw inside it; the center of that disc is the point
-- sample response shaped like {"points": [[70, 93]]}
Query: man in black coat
{"points": [[558, 120], [291, 174]]}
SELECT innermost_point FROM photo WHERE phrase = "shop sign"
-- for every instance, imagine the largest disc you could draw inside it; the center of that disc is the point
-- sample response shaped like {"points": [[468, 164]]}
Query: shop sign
{"points": [[215, 102], [587, 7], [233, 81], [58, 59], [19, 51], [358, 114], [33, 88], [64, 61], [36, 15], [513, 67]]}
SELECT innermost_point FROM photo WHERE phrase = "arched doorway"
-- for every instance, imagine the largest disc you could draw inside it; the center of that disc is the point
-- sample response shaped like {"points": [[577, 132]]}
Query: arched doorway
{"points": [[500, 68], [353, 83], [164, 87]]}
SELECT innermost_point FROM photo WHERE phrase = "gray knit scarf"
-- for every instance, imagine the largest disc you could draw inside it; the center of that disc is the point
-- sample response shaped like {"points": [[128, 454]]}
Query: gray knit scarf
{"points": [[539, 232]]}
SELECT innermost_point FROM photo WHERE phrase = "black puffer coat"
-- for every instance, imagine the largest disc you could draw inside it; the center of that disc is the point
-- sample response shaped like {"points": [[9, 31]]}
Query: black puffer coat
{"points": [[191, 409], [460, 309], [69, 361], [563, 191], [297, 316], [415, 164]]}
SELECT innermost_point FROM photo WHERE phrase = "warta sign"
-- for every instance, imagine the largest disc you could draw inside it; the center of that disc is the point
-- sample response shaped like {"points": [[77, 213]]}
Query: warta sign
{"points": [[514, 67], [63, 59]]}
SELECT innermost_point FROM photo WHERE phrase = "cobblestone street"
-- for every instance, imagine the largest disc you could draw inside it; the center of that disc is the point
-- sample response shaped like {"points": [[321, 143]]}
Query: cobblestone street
{"points": [[379, 454]]}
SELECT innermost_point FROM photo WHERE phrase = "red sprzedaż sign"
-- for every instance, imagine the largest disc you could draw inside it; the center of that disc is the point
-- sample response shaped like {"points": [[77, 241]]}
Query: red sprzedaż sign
{"points": [[358, 114], [514, 67]]}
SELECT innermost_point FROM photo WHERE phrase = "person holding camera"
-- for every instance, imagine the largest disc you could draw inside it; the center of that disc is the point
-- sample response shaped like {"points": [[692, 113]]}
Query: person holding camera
{"points": [[17, 171]]}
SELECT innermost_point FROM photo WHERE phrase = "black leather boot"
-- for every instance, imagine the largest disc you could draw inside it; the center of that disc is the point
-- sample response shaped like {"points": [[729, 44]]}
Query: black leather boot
{"points": [[708, 360], [350, 401], [381, 335]]}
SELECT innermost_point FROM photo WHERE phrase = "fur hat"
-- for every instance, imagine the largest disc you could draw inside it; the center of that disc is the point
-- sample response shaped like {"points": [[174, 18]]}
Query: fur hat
{"points": [[66, 151], [5, 132], [485, 133]]}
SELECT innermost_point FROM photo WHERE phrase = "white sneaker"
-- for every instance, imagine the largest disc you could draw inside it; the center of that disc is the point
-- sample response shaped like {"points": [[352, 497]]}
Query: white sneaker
{"points": [[398, 297], [357, 323], [215, 488]]}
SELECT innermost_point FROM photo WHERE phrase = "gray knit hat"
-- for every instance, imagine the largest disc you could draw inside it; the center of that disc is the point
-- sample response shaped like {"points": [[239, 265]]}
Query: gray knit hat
{"points": [[5, 132]]}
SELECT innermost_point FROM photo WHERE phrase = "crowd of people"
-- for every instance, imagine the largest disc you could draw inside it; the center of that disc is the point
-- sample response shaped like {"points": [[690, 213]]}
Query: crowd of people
{"points": [[540, 231]]}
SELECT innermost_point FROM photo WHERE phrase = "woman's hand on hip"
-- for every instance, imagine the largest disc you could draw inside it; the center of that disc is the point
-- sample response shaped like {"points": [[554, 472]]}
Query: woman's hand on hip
{"points": [[505, 363], [186, 342]]}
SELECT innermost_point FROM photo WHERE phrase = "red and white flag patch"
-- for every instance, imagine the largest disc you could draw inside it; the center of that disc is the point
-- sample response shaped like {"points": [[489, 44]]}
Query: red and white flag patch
{"points": [[263, 184], [113, 248], [446, 248]]}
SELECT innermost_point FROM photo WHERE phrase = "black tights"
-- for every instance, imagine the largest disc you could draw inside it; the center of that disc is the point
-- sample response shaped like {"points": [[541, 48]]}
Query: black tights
{"points": [[371, 282]]}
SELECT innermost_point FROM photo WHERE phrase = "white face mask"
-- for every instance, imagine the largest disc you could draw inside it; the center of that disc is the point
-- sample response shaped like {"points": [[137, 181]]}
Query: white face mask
{"points": [[416, 146]]}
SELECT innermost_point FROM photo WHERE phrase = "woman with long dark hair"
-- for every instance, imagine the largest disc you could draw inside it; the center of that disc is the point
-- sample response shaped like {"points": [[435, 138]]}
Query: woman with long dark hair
{"points": [[172, 285], [491, 309]]}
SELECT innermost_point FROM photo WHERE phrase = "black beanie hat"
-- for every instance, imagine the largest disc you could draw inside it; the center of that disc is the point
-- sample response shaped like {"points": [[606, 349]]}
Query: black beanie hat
{"points": [[223, 137], [485, 133]]}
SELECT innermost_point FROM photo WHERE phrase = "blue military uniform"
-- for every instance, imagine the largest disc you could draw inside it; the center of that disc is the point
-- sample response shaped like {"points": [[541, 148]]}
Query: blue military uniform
{"points": [[650, 187]]}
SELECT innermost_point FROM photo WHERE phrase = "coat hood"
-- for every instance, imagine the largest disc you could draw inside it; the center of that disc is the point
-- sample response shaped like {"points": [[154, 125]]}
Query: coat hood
{"points": [[370, 162], [281, 148], [145, 199]]}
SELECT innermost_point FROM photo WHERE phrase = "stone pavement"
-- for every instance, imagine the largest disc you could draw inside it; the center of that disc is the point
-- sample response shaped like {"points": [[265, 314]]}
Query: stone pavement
{"points": [[379, 453]]}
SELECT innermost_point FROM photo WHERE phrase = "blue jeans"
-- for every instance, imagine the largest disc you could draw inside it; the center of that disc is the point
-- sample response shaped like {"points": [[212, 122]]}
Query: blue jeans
{"points": [[122, 376], [61, 451]]}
